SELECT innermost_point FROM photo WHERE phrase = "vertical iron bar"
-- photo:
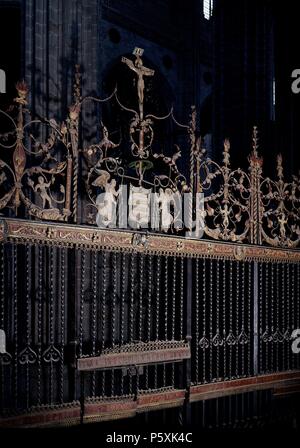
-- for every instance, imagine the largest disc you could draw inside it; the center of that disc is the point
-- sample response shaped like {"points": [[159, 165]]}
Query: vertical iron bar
{"points": [[141, 290], [255, 318], [39, 321], [243, 318], [62, 317], [173, 312], [114, 297], [157, 312], [237, 318], [189, 298], [218, 320], [15, 320], [122, 317], [28, 317], [283, 310], [181, 296], [224, 321], [260, 308], [230, 318], [103, 312], [2, 319], [166, 317], [131, 313], [267, 318], [51, 317], [298, 306], [293, 308], [204, 344], [149, 303], [82, 292], [277, 316], [196, 342], [94, 313], [288, 322], [113, 314], [272, 318], [249, 317], [211, 316]]}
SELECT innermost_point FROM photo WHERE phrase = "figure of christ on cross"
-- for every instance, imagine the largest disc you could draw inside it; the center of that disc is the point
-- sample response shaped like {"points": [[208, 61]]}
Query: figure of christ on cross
{"points": [[141, 71]]}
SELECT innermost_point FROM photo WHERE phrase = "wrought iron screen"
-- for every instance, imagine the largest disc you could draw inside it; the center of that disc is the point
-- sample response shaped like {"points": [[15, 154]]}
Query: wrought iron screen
{"points": [[164, 316]]}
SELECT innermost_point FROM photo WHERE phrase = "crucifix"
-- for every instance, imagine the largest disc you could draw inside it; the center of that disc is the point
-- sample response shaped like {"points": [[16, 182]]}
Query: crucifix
{"points": [[141, 71]]}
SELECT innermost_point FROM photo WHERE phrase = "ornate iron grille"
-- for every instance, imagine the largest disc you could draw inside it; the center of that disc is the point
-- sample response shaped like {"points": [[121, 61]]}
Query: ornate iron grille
{"points": [[222, 320], [37, 318], [44, 174], [103, 323]]}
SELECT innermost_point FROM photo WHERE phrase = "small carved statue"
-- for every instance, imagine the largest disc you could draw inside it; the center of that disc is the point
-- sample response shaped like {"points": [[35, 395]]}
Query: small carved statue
{"points": [[105, 142], [282, 221], [106, 205], [42, 187]]}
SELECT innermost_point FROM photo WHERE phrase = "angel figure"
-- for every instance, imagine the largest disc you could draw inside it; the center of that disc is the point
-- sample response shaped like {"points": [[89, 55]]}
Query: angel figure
{"points": [[102, 180], [106, 205], [42, 187]]}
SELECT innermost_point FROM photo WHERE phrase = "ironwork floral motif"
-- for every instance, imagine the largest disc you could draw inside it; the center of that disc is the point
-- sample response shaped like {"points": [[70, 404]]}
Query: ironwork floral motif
{"points": [[38, 174], [280, 204], [227, 192], [40, 169]]}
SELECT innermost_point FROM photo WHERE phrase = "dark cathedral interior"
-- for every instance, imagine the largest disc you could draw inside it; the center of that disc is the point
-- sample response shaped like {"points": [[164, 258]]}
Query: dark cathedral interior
{"points": [[150, 216]]}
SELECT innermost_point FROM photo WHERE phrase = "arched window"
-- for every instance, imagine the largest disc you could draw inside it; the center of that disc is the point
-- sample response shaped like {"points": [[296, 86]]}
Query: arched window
{"points": [[208, 8]]}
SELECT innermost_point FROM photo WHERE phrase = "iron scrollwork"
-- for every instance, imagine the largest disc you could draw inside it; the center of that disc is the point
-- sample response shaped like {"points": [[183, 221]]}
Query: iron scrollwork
{"points": [[227, 192], [37, 174], [40, 171], [280, 202], [147, 171]]}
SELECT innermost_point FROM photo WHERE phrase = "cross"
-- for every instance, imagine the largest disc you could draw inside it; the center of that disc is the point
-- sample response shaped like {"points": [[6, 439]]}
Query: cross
{"points": [[141, 71]]}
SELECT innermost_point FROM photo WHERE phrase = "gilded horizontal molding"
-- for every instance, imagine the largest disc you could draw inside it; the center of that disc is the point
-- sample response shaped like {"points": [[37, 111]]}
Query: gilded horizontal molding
{"points": [[222, 388], [119, 360], [121, 407], [24, 231], [96, 410]]}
